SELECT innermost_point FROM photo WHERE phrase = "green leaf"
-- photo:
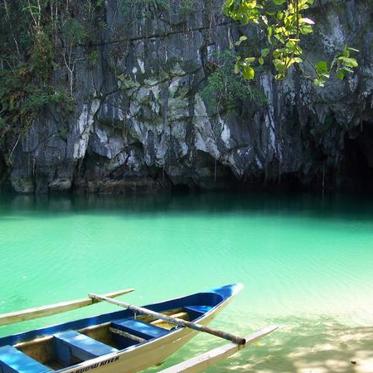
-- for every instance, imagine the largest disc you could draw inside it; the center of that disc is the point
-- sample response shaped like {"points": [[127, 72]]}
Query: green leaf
{"points": [[346, 52], [340, 74], [322, 67], [306, 29], [264, 52], [280, 38], [347, 61], [236, 68], [248, 72], [269, 34], [249, 60], [280, 15], [242, 39], [250, 4]]}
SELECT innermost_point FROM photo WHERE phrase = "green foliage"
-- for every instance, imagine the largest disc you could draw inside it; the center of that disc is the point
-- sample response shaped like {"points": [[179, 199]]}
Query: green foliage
{"points": [[154, 8], [284, 24], [93, 57], [342, 64], [144, 8], [126, 82], [322, 73], [225, 90], [36, 38], [21, 100], [187, 7], [42, 56], [74, 32]]}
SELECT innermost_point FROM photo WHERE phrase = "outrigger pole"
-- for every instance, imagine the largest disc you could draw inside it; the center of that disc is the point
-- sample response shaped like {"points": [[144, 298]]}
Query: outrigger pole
{"points": [[173, 320]]}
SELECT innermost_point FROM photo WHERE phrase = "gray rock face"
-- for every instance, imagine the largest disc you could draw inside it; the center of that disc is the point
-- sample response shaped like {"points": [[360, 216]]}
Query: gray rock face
{"points": [[141, 124]]}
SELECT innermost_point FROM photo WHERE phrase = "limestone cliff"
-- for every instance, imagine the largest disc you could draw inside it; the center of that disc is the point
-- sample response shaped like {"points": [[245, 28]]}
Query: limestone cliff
{"points": [[141, 123]]}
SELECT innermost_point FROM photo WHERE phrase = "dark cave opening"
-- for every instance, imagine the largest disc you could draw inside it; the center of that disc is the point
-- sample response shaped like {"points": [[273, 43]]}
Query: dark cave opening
{"points": [[358, 160], [3, 169]]}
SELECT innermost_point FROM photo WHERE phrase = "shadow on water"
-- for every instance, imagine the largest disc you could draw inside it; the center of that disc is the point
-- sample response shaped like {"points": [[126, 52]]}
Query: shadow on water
{"points": [[317, 346], [320, 345], [340, 207]]}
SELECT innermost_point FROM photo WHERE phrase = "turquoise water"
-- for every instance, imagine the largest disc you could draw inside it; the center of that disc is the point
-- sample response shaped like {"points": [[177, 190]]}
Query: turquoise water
{"points": [[306, 263]]}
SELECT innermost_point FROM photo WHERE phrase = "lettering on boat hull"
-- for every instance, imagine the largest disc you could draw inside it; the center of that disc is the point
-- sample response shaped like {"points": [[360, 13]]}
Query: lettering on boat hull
{"points": [[97, 365]]}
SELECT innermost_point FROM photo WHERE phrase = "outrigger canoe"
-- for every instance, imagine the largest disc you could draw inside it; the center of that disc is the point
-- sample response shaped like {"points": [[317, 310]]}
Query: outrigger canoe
{"points": [[116, 342]]}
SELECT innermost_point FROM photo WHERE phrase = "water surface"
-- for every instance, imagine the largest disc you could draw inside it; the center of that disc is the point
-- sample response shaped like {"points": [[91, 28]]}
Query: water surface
{"points": [[306, 263]]}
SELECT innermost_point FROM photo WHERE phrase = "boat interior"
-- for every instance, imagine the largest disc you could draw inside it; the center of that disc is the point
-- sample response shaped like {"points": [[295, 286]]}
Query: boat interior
{"points": [[68, 347]]}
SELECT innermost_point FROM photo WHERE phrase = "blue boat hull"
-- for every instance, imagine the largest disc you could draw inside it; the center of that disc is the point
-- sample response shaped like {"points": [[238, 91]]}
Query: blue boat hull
{"points": [[111, 342]]}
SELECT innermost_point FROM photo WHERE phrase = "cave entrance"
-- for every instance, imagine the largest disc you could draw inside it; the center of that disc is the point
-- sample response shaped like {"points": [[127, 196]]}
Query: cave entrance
{"points": [[3, 168], [358, 165]]}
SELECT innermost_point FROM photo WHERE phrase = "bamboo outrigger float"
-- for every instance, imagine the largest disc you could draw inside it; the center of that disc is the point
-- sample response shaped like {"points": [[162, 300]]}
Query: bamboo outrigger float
{"points": [[206, 360], [54, 309], [124, 341]]}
